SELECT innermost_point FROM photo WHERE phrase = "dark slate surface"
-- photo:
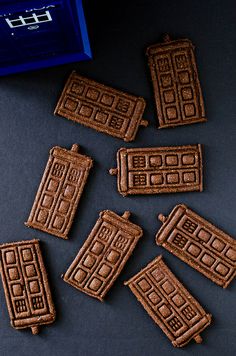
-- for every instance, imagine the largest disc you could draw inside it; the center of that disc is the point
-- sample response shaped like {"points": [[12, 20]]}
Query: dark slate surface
{"points": [[119, 33]]}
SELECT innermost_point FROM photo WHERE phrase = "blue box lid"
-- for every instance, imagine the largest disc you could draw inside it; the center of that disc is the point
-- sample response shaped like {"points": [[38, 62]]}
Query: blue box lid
{"points": [[38, 33]]}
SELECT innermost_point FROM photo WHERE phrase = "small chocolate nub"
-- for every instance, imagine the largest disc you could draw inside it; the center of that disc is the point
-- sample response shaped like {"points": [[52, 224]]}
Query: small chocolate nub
{"points": [[113, 171], [162, 218], [126, 215], [35, 330], [75, 147], [144, 122], [166, 37], [198, 339]]}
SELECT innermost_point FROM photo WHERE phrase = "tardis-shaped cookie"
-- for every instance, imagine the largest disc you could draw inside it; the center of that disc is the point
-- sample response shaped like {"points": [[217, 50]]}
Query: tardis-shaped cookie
{"points": [[41, 33], [26, 286], [176, 84]]}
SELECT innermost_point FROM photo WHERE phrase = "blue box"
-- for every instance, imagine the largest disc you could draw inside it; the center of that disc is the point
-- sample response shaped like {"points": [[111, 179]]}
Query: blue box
{"points": [[41, 33]]}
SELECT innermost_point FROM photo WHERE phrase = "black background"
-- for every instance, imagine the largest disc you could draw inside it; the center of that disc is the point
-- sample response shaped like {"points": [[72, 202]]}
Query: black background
{"points": [[119, 32]]}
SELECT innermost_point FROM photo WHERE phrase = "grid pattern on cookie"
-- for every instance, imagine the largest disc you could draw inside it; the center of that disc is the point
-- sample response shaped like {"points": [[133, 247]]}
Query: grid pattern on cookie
{"points": [[107, 250], [177, 90], [59, 193], [100, 107], [203, 246], [167, 301], [24, 285], [161, 169]]}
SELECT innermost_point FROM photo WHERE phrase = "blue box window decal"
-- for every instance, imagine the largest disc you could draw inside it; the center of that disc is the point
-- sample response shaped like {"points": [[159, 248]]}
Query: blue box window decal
{"points": [[28, 20]]}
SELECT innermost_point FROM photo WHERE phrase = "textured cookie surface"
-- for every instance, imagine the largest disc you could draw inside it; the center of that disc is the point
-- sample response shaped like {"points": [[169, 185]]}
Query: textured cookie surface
{"points": [[101, 107], [26, 285], [157, 170], [176, 84], [169, 303], [199, 243], [59, 192], [104, 254]]}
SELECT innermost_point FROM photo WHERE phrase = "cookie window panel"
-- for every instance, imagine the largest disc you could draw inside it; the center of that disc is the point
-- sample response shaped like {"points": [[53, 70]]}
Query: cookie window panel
{"points": [[29, 20]]}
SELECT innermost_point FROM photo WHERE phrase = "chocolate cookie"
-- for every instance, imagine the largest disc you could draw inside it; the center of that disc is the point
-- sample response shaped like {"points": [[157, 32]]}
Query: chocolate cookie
{"points": [[158, 170], [169, 303], [60, 190], [176, 84], [104, 254], [25, 284], [101, 107], [199, 243]]}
